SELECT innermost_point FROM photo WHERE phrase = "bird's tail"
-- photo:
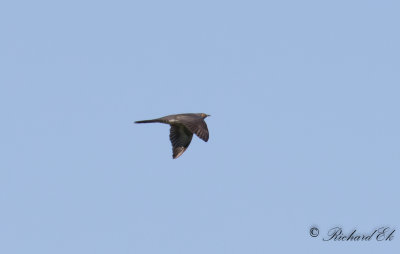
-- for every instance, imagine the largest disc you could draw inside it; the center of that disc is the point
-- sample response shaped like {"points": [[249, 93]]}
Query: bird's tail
{"points": [[149, 121]]}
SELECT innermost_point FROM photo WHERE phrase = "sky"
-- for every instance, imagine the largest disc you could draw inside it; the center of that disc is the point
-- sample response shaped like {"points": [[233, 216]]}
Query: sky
{"points": [[304, 126]]}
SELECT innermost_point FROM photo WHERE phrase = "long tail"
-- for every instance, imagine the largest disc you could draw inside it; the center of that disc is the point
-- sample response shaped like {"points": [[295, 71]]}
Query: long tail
{"points": [[149, 121]]}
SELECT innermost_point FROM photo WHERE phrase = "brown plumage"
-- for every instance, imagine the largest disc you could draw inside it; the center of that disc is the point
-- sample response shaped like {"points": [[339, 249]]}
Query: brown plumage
{"points": [[182, 128]]}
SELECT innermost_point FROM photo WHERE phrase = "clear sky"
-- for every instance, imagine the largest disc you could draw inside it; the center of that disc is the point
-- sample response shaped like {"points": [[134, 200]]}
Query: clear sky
{"points": [[304, 132]]}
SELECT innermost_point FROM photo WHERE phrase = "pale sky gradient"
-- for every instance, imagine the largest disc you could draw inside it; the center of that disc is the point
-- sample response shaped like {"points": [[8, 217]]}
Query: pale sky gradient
{"points": [[304, 98]]}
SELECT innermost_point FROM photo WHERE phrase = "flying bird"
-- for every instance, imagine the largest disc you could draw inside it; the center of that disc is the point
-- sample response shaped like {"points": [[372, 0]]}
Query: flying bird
{"points": [[182, 128]]}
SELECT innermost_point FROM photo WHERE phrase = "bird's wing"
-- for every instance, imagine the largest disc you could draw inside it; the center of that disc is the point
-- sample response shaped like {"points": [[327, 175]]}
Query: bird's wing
{"points": [[180, 139], [197, 126]]}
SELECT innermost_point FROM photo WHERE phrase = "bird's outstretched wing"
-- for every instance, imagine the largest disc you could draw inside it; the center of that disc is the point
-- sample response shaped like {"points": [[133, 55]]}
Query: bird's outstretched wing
{"points": [[180, 139], [196, 126]]}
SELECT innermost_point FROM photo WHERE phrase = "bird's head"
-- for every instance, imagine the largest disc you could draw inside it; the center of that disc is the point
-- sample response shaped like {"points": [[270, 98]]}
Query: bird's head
{"points": [[203, 115]]}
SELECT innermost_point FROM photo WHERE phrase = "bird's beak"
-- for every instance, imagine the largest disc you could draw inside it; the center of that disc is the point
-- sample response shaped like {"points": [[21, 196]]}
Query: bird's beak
{"points": [[208, 115]]}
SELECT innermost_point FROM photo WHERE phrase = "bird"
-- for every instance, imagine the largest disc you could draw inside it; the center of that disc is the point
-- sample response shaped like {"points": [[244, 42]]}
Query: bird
{"points": [[182, 128]]}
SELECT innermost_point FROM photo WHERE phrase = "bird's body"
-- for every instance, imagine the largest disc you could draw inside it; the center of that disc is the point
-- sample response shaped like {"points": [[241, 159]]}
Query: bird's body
{"points": [[182, 128]]}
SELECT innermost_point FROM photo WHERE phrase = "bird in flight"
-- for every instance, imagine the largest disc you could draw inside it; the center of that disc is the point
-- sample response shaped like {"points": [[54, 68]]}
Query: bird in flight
{"points": [[182, 128]]}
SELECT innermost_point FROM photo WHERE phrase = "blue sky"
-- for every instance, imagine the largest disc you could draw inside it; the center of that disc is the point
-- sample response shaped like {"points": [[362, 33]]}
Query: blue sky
{"points": [[304, 98]]}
